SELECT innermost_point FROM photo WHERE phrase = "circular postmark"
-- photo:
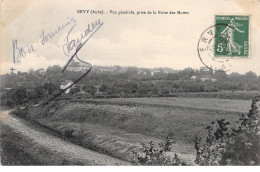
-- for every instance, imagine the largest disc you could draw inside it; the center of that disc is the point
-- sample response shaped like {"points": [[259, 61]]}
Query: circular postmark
{"points": [[208, 51]]}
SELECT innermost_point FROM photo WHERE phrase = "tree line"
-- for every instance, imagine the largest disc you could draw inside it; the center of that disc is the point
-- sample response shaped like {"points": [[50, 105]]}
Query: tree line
{"points": [[24, 87]]}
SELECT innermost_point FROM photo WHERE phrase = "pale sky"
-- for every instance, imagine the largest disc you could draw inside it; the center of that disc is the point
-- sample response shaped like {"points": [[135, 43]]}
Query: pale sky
{"points": [[127, 40]]}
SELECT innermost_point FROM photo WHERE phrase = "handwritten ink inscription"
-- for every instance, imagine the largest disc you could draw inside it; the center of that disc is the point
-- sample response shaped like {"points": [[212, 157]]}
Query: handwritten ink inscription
{"points": [[46, 37], [74, 43], [71, 47], [21, 51]]}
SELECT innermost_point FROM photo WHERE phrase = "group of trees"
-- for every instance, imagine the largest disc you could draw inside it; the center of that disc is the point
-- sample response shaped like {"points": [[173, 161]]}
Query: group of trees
{"points": [[171, 83], [129, 83], [23, 95]]}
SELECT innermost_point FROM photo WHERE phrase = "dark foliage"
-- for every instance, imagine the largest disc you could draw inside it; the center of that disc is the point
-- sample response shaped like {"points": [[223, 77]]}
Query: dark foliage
{"points": [[128, 82], [157, 155], [232, 145]]}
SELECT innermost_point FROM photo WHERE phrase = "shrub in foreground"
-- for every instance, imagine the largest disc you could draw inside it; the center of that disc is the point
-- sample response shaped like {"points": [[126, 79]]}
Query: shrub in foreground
{"points": [[227, 145], [157, 155]]}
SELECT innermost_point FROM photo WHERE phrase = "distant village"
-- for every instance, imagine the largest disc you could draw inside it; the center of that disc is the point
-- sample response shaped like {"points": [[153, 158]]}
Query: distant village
{"points": [[120, 81], [77, 66], [141, 72]]}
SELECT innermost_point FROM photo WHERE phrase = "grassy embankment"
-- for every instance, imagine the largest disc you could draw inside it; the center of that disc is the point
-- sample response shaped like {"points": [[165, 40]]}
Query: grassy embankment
{"points": [[118, 126]]}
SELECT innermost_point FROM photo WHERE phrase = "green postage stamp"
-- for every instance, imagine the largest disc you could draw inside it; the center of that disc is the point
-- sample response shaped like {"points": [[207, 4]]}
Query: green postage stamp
{"points": [[232, 36]]}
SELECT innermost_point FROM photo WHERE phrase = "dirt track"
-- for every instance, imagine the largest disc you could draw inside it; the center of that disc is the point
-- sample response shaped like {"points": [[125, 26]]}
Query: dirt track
{"points": [[56, 146]]}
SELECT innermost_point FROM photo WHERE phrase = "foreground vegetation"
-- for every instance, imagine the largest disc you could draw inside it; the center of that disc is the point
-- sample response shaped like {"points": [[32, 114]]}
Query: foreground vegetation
{"points": [[224, 145], [118, 129]]}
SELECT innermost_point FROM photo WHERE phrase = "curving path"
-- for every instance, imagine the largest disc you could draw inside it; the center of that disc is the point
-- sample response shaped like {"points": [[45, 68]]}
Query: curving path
{"points": [[56, 145]]}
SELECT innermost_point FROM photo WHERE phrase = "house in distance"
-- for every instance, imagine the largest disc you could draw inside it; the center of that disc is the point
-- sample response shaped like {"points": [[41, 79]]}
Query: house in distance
{"points": [[77, 66]]}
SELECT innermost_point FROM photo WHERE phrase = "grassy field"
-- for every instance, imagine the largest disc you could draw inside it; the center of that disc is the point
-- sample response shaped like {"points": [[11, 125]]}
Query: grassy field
{"points": [[237, 95], [198, 103], [153, 120], [119, 126]]}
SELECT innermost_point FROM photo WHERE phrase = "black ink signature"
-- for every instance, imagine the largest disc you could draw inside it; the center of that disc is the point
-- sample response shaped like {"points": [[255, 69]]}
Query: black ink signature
{"points": [[19, 52], [79, 44]]}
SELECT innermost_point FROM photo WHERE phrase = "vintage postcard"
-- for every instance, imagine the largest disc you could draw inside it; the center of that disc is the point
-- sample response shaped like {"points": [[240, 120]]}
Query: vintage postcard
{"points": [[129, 82]]}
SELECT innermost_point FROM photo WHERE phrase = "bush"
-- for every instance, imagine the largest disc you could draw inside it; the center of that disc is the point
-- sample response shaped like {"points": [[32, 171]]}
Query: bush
{"points": [[10, 103], [152, 155], [237, 145], [68, 133], [21, 112]]}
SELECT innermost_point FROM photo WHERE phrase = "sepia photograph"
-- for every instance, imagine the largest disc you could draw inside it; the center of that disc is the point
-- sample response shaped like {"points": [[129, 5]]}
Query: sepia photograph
{"points": [[129, 83]]}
